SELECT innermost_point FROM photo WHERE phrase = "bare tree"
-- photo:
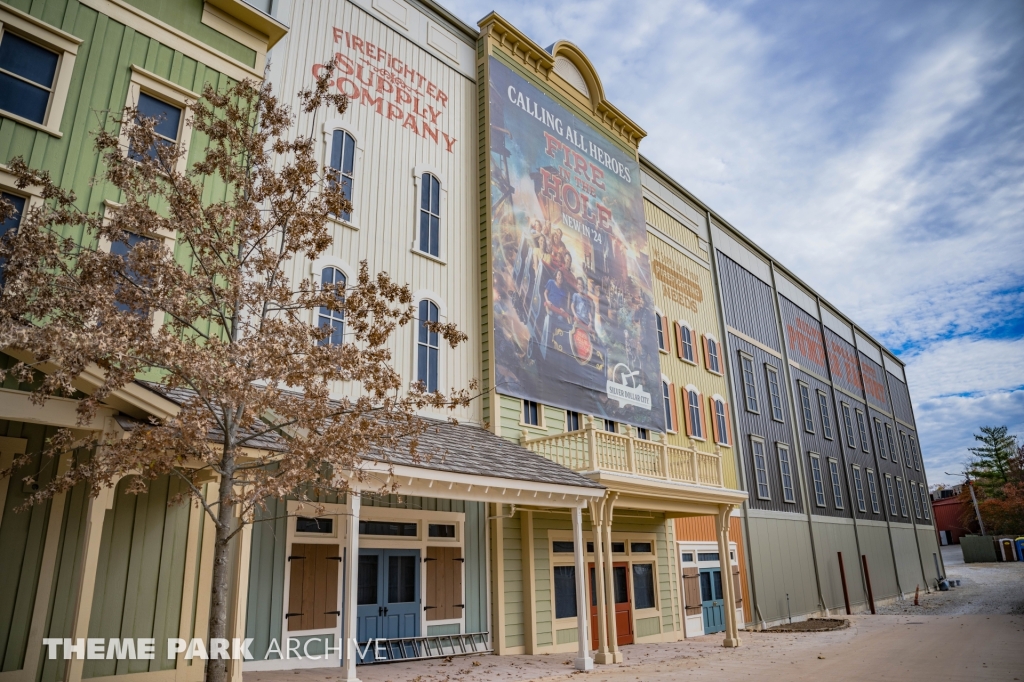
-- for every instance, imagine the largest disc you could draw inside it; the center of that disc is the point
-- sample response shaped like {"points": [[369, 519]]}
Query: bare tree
{"points": [[215, 321]]}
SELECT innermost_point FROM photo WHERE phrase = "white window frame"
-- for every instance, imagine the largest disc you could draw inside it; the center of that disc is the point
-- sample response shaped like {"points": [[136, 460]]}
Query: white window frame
{"points": [[760, 468], [417, 176], [848, 425], [579, 420], [749, 386], [56, 40], [880, 437], [891, 494], [916, 454], [817, 478], [890, 439], [345, 126], [873, 490], [522, 414], [659, 326], [721, 420], [863, 430], [442, 315], [667, 394], [716, 355], [698, 425], [316, 270], [143, 81], [786, 471], [826, 416], [902, 493], [806, 411], [858, 484], [770, 372], [925, 501], [837, 488], [683, 346]]}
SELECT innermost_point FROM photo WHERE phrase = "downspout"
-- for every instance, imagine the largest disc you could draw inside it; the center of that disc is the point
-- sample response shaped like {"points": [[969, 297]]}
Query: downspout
{"points": [[784, 342], [842, 450], [738, 459]]}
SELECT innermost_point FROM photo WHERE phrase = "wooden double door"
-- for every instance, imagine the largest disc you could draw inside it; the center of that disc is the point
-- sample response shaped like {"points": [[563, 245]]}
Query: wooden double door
{"points": [[623, 604]]}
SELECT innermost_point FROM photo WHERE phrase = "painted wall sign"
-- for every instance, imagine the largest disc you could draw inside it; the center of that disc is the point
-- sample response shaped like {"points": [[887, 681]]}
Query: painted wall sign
{"points": [[375, 78], [679, 285], [572, 288]]}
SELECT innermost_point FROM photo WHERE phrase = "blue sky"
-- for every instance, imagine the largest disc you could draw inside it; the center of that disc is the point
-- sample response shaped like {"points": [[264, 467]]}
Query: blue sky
{"points": [[875, 148]]}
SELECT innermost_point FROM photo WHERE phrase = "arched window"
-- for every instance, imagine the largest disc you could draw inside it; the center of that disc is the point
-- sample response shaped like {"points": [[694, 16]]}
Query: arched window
{"points": [[332, 278], [684, 342], [343, 154], [661, 331], [711, 351], [670, 413], [693, 413], [430, 214], [721, 423], [427, 347]]}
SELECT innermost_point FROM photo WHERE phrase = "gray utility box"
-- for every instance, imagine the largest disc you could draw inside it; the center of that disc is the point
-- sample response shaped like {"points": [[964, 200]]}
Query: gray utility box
{"points": [[978, 549]]}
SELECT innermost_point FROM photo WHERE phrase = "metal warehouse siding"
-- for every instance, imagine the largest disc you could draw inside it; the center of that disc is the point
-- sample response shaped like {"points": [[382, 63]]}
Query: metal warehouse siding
{"points": [[748, 302], [388, 158]]}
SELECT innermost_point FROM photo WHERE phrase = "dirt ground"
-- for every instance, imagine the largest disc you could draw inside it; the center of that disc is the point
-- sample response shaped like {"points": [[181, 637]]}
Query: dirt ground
{"points": [[972, 633]]}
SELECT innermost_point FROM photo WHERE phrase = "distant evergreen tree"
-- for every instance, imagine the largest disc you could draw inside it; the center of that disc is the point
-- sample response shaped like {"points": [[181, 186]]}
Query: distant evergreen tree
{"points": [[993, 462]]}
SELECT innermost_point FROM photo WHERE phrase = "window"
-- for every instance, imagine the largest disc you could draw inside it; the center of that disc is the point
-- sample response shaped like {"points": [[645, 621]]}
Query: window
{"points": [[786, 473], [917, 460], [334, 319], [685, 342], [872, 490], [610, 426], [819, 484], [749, 388], [707, 556], [760, 469], [531, 413], [565, 591], [563, 547], [826, 420], [27, 74], [903, 496], [805, 405], [660, 322], [880, 438], [925, 502], [12, 222], [36, 65], [862, 429], [405, 530], [693, 409], [712, 352], [640, 548], [907, 457], [427, 347], [441, 530], [670, 413], [916, 499], [890, 439], [642, 433], [618, 548], [643, 586], [343, 155], [774, 391], [430, 214], [848, 424], [890, 494], [572, 420], [320, 526], [121, 248], [721, 423], [837, 490], [687, 557], [167, 124], [858, 486]]}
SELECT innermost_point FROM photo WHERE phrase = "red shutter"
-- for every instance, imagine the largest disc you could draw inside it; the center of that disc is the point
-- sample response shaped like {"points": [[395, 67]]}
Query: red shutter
{"points": [[703, 419], [728, 426], [679, 339], [704, 345], [686, 412], [673, 412], [714, 420]]}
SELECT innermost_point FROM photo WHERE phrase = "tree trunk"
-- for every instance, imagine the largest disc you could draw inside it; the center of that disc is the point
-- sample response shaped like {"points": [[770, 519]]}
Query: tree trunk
{"points": [[220, 595]]}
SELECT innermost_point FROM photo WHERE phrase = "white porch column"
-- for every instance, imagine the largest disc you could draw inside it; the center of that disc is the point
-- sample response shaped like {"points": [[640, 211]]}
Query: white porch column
{"points": [[350, 588], [609, 579], [583, 659], [725, 563], [596, 521]]}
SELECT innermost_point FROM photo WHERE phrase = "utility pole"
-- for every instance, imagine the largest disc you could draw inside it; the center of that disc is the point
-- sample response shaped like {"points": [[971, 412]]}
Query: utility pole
{"points": [[975, 501]]}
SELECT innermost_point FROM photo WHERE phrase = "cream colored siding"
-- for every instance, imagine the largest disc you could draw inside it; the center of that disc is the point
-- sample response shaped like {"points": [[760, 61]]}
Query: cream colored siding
{"points": [[389, 157]]}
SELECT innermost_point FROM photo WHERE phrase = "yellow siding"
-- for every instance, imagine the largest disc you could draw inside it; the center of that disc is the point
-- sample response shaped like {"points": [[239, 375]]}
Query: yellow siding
{"points": [[674, 229]]}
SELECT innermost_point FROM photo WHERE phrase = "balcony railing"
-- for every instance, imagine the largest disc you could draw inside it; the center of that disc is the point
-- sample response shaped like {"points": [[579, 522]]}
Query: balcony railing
{"points": [[591, 449]]}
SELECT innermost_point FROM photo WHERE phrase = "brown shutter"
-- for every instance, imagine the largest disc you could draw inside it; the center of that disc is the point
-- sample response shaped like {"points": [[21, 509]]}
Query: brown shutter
{"points": [[691, 591], [728, 425], [313, 587], [704, 345], [686, 412], [737, 588], [673, 412], [443, 594], [714, 420], [703, 419], [678, 333]]}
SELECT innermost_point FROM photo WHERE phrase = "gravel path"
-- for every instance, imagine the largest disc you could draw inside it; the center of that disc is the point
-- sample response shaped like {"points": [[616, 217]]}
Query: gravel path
{"points": [[985, 589]]}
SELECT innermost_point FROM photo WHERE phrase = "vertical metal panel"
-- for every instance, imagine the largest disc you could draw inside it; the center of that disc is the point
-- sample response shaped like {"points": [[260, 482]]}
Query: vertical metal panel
{"points": [[803, 338], [780, 558], [900, 394], [875, 545], [830, 539], [907, 562], [763, 426], [388, 152], [873, 377], [748, 302], [842, 358], [817, 443]]}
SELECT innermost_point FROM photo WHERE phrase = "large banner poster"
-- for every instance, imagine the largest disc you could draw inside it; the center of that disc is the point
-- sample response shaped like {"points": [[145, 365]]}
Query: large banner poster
{"points": [[574, 322]]}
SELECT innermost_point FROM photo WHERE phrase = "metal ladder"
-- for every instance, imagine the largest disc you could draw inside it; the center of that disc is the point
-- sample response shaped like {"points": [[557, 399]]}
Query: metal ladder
{"points": [[435, 646]]}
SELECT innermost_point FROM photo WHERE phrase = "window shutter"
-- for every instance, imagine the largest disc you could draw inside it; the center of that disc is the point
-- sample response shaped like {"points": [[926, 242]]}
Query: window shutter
{"points": [[673, 412], [728, 426], [686, 412], [703, 420], [713, 419], [678, 333], [707, 358], [668, 337]]}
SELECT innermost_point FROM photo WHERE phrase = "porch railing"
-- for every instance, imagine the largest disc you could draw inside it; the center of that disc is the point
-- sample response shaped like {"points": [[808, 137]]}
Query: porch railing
{"points": [[591, 449]]}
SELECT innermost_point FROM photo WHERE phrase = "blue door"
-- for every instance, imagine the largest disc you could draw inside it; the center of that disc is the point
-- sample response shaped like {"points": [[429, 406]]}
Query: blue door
{"points": [[712, 600], [388, 595]]}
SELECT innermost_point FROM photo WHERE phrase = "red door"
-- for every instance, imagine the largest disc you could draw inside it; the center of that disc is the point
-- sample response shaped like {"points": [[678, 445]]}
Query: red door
{"points": [[623, 618]]}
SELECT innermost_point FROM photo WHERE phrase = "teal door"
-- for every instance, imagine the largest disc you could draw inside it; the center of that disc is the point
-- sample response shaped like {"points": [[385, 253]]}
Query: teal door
{"points": [[388, 595], [712, 600]]}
